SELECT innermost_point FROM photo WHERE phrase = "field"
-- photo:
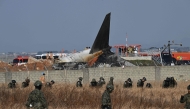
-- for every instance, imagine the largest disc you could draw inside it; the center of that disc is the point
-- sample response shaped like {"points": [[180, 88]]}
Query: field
{"points": [[67, 96]]}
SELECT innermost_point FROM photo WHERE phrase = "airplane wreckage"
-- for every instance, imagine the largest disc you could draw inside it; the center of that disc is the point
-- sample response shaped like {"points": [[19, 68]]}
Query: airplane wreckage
{"points": [[99, 54]]}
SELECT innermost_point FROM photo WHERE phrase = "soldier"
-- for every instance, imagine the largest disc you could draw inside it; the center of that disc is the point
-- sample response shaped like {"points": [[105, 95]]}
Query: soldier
{"points": [[128, 83], [140, 82], [186, 98], [26, 82], [101, 82], [93, 83], [49, 84], [148, 85], [111, 81], [36, 98], [106, 99], [12, 84], [173, 82], [79, 82], [166, 83], [169, 82]]}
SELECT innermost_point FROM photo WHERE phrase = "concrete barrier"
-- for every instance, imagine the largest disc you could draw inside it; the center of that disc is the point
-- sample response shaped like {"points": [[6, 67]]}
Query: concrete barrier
{"points": [[120, 75]]}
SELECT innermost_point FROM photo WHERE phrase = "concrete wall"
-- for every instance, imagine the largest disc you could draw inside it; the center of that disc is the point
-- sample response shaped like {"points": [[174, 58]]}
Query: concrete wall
{"points": [[120, 75]]}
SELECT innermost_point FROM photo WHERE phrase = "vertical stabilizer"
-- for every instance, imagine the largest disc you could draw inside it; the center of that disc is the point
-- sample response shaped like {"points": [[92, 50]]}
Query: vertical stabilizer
{"points": [[102, 39]]}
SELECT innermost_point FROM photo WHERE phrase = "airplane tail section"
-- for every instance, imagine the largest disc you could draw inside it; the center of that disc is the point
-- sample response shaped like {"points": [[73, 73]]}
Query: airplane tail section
{"points": [[102, 39]]}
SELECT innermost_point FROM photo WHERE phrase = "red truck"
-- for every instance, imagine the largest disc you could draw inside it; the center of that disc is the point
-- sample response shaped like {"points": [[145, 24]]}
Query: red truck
{"points": [[20, 60]]}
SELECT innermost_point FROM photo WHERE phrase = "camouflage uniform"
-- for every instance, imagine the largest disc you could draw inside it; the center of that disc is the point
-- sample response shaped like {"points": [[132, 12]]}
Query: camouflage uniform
{"points": [[128, 83], [166, 83], [79, 82], [93, 83], [169, 82], [111, 81], [36, 99], [140, 82], [101, 82], [49, 84], [148, 85], [12, 84], [173, 83], [106, 99], [26, 82], [186, 98]]}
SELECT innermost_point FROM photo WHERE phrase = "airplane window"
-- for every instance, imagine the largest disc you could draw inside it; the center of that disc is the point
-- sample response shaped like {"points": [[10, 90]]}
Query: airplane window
{"points": [[38, 57], [55, 57], [43, 57]]}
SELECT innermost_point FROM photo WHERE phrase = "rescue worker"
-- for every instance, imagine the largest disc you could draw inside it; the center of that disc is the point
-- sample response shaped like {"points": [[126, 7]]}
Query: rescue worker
{"points": [[93, 83], [12, 84], [79, 82], [36, 99], [111, 81], [128, 83], [101, 82], [26, 82], [140, 82], [42, 78], [148, 85], [49, 84], [106, 99], [186, 98]]}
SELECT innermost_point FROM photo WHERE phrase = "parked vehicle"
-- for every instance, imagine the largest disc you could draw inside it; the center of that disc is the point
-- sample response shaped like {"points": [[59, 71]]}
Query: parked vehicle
{"points": [[20, 60]]}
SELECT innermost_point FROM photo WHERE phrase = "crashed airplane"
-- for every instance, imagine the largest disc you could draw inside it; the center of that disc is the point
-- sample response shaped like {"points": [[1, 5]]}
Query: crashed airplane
{"points": [[98, 55]]}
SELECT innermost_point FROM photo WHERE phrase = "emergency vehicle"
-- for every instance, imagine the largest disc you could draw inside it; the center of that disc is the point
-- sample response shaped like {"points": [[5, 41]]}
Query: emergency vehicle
{"points": [[20, 60]]}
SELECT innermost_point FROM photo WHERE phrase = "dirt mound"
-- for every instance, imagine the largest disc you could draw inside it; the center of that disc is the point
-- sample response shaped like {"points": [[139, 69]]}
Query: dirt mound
{"points": [[33, 64]]}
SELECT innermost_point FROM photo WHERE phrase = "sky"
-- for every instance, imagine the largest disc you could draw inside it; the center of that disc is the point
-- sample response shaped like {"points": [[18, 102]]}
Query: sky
{"points": [[55, 25]]}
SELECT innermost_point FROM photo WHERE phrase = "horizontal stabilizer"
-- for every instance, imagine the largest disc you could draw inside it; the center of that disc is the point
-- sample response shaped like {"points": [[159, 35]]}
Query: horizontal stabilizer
{"points": [[102, 39]]}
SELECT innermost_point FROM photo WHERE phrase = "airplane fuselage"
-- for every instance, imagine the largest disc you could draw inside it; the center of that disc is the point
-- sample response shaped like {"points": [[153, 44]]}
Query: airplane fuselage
{"points": [[82, 56]]}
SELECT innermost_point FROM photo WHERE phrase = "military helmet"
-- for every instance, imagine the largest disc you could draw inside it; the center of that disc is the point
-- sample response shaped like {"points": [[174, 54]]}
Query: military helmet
{"points": [[80, 78], [144, 78], [13, 81], [109, 86], [129, 79], [38, 83], [102, 78], [168, 78], [172, 78], [53, 81], [93, 80], [188, 87], [111, 78]]}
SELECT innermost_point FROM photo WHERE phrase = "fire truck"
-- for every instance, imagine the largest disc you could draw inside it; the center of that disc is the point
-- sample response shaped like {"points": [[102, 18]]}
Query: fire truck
{"points": [[178, 58], [20, 60]]}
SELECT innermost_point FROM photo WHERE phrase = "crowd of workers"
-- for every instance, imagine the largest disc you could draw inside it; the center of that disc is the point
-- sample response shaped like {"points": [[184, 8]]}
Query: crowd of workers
{"points": [[36, 98]]}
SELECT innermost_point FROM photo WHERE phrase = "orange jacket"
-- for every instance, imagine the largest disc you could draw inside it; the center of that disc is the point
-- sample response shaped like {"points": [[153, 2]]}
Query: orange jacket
{"points": [[42, 79]]}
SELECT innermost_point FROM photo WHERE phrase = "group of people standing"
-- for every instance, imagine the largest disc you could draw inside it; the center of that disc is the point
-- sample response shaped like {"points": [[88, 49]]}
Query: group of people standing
{"points": [[140, 83], [37, 100], [106, 99], [93, 83]]}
